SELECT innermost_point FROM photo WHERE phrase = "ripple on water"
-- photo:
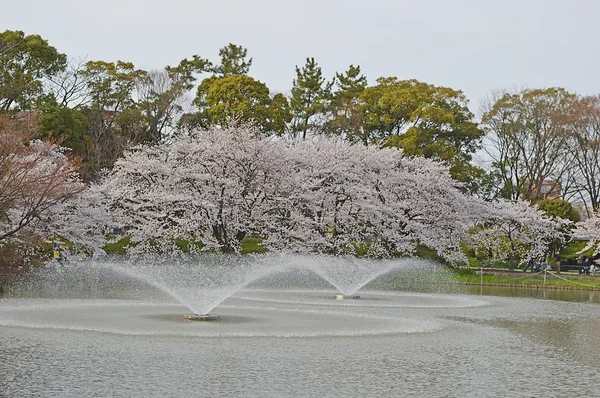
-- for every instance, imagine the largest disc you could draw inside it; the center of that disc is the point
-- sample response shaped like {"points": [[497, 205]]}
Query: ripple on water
{"points": [[257, 316]]}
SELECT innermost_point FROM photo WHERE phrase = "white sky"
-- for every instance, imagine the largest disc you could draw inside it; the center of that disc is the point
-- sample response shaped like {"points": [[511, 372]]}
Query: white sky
{"points": [[473, 45]]}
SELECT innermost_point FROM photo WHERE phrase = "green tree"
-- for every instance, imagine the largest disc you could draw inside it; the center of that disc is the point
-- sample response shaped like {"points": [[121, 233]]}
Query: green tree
{"points": [[279, 115], [558, 208], [185, 71], [24, 63], [345, 109], [241, 99], [233, 61], [424, 120], [309, 98], [59, 122], [111, 117], [111, 84]]}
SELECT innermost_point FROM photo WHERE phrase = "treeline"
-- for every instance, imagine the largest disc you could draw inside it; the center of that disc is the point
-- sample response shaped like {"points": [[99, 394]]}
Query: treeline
{"points": [[97, 109]]}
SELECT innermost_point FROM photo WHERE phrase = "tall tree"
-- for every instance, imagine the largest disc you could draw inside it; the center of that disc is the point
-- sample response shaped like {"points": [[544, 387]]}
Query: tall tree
{"points": [[61, 123], [238, 99], [529, 132], [233, 99], [584, 146], [279, 115], [345, 113], [24, 62], [309, 96], [424, 120], [108, 115], [233, 61]]}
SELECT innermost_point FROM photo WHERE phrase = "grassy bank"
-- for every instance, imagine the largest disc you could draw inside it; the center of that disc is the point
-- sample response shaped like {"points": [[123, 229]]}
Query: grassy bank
{"points": [[522, 279]]}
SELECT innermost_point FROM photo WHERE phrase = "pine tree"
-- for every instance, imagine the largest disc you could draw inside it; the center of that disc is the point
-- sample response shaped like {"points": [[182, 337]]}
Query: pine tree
{"points": [[309, 95]]}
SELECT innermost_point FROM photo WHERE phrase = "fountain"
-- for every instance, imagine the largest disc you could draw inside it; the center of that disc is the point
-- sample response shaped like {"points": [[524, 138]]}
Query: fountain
{"points": [[200, 283], [276, 331], [348, 274]]}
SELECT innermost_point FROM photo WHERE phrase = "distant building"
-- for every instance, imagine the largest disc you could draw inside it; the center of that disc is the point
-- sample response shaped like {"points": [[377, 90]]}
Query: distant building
{"points": [[549, 189]]}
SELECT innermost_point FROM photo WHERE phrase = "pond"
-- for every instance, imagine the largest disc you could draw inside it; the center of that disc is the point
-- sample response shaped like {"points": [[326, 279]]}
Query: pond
{"points": [[298, 340]]}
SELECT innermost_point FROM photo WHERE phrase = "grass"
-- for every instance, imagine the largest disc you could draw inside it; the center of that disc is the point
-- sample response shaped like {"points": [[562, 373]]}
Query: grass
{"points": [[249, 245], [569, 254], [252, 245], [469, 276], [570, 251], [119, 247], [426, 253]]}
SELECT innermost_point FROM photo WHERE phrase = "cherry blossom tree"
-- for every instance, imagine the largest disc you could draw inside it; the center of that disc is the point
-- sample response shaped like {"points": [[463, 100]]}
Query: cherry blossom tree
{"points": [[83, 219], [347, 194], [212, 186], [590, 229], [220, 185], [34, 177], [515, 230]]}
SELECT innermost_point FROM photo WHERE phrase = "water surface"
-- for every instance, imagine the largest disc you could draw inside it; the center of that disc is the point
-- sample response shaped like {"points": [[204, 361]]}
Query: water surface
{"points": [[302, 342]]}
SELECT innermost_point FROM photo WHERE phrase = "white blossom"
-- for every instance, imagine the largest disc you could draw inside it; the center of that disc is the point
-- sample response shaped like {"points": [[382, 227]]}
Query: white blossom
{"points": [[220, 185]]}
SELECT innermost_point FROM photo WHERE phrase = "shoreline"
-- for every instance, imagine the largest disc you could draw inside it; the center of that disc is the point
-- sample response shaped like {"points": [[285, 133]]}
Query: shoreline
{"points": [[530, 286]]}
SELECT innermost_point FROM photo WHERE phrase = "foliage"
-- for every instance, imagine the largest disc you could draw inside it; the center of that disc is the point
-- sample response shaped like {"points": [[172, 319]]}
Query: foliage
{"points": [[233, 61], [557, 208], [324, 193], [236, 99], [62, 123], [345, 117], [423, 251], [575, 250], [309, 94], [424, 120], [24, 62], [279, 115]]}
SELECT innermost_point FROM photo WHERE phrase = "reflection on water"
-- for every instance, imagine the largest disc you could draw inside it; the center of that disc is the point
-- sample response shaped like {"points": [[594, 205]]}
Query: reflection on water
{"points": [[579, 296], [579, 338], [571, 295]]}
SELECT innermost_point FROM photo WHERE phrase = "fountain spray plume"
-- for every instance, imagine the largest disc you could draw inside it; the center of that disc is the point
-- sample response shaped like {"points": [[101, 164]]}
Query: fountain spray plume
{"points": [[199, 282], [348, 274]]}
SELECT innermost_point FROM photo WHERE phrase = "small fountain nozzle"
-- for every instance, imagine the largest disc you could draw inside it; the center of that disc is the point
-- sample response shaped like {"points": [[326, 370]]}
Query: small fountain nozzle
{"points": [[344, 297], [201, 318]]}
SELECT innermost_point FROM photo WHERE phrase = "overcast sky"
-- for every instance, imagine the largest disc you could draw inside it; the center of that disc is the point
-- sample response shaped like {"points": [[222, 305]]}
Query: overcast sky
{"points": [[473, 45]]}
